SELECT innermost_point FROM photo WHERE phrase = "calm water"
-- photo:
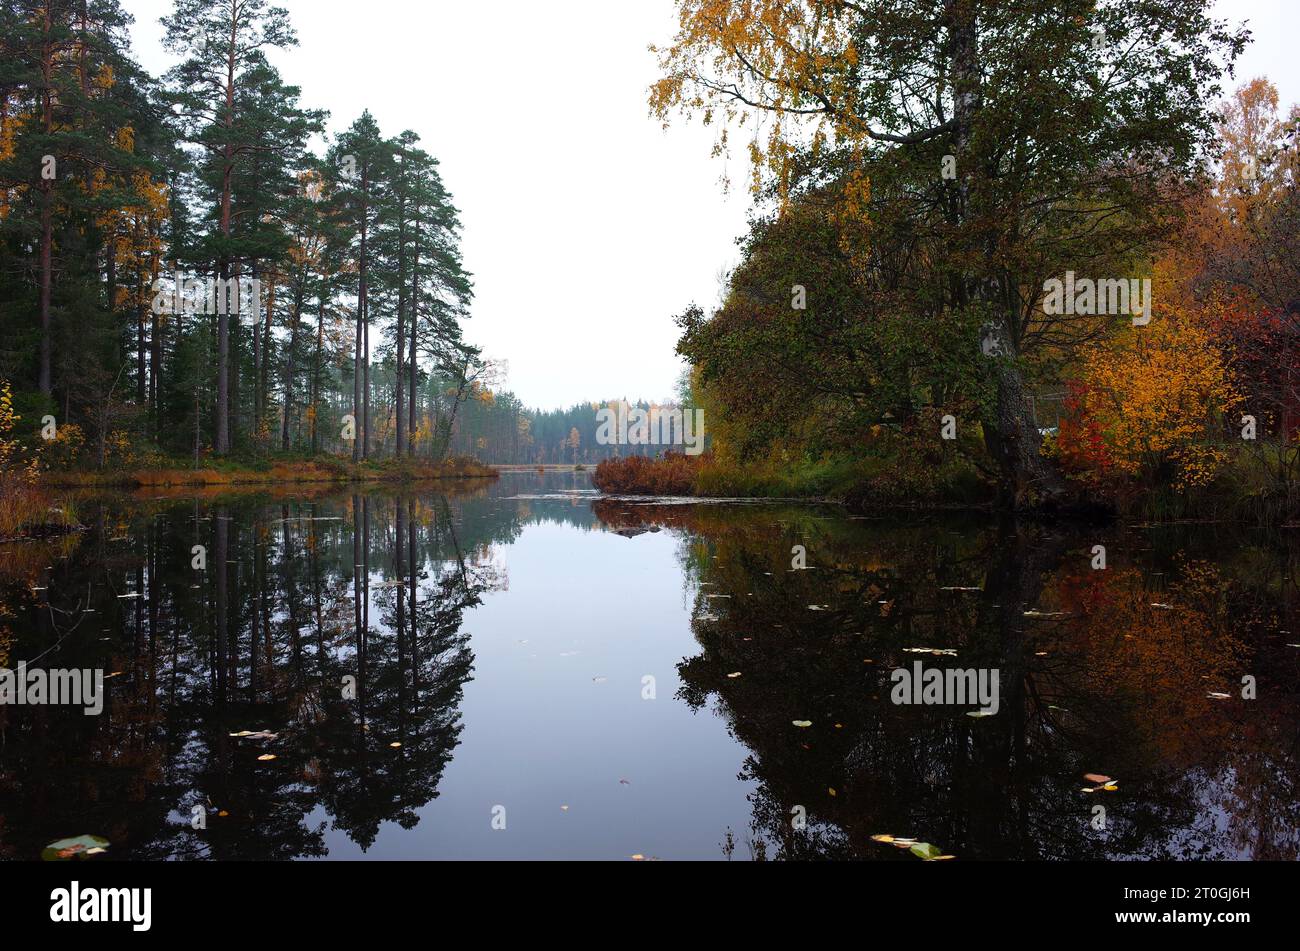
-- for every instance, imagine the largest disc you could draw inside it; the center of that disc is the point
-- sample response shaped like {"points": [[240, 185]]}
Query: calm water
{"points": [[566, 666]]}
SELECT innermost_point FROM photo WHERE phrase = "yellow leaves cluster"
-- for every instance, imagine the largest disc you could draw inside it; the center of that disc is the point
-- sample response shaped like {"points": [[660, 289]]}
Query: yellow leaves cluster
{"points": [[1158, 394], [14, 466], [787, 64]]}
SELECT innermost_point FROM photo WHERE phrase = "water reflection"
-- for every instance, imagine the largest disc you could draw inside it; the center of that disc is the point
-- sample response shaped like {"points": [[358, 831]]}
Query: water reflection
{"points": [[1102, 671], [334, 625], [377, 637]]}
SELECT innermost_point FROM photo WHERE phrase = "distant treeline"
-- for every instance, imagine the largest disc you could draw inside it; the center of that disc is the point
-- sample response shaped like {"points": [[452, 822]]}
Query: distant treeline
{"points": [[498, 428]]}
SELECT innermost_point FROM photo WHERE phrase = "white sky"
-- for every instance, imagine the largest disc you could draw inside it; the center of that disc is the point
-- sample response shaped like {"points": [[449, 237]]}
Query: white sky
{"points": [[587, 227]]}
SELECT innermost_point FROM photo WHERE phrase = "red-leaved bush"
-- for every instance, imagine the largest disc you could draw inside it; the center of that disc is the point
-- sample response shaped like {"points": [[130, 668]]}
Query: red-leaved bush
{"points": [[671, 474]]}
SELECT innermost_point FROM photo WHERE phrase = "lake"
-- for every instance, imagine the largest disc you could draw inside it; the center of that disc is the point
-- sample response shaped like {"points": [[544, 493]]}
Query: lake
{"points": [[525, 670]]}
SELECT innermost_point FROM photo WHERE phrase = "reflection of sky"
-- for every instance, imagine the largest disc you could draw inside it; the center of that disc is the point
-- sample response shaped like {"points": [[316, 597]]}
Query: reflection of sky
{"points": [[541, 731]]}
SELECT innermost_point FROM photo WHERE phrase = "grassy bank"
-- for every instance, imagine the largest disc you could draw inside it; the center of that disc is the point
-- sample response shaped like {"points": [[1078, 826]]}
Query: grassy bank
{"points": [[865, 482], [299, 470], [1248, 489]]}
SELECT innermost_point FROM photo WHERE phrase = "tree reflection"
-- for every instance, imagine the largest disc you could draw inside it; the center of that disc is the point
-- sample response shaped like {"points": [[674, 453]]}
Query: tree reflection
{"points": [[1101, 671], [276, 634]]}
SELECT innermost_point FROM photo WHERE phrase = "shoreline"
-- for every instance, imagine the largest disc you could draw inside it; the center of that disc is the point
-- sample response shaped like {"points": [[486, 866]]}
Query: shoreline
{"points": [[321, 471]]}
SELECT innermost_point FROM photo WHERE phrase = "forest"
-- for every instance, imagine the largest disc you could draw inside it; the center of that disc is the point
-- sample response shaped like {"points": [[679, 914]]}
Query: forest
{"points": [[191, 269], [927, 306]]}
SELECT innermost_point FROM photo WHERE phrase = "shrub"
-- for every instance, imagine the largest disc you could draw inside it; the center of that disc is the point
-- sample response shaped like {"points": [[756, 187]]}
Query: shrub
{"points": [[671, 474]]}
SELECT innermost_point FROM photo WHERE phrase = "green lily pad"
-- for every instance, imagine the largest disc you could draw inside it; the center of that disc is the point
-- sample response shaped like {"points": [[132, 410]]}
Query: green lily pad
{"points": [[77, 848]]}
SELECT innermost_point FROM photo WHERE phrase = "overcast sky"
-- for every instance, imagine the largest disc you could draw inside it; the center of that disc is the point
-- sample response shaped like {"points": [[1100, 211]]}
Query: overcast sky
{"points": [[587, 226]]}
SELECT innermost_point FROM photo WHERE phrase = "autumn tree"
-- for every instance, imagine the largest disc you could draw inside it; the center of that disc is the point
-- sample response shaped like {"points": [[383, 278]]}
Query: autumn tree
{"points": [[985, 146], [1152, 406]]}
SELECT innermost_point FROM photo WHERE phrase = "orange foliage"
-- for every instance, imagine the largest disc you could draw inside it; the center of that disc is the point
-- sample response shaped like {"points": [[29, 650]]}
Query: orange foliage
{"points": [[673, 474]]}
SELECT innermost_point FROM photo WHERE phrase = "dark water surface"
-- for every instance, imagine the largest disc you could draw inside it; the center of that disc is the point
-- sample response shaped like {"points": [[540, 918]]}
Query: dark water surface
{"points": [[566, 666]]}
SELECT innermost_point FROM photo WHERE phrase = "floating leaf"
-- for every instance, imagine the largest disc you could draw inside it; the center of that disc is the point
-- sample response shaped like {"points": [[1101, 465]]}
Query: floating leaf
{"points": [[260, 735], [75, 848], [802, 724], [832, 791], [926, 851], [733, 676], [887, 839], [1097, 778], [267, 757], [394, 746]]}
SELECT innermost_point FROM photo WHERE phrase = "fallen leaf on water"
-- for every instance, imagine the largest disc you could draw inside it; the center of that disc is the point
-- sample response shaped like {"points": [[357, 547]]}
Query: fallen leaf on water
{"points": [[887, 839], [802, 723], [394, 746], [926, 851], [832, 791], [222, 814], [1106, 787], [1097, 778], [733, 676], [259, 735], [267, 757], [76, 847]]}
